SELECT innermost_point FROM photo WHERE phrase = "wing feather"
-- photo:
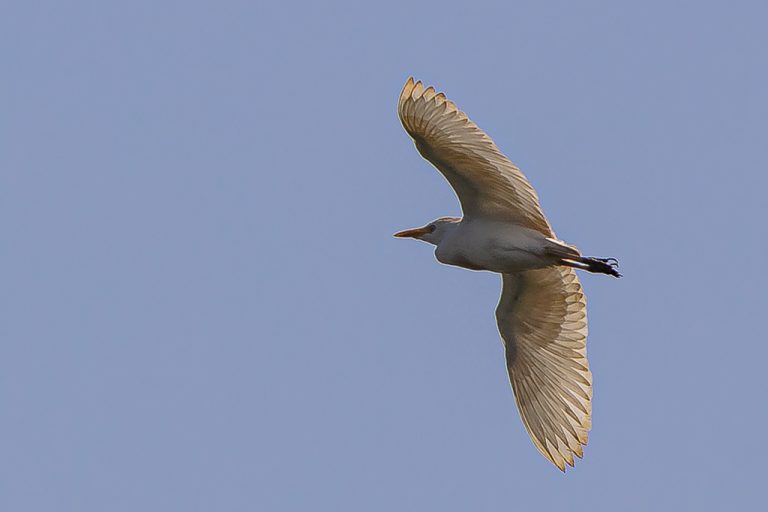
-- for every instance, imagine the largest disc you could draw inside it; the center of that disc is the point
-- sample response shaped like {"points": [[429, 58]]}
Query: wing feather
{"points": [[542, 320], [485, 181]]}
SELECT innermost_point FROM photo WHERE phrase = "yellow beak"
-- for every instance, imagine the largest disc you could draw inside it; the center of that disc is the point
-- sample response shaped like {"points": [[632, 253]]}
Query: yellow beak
{"points": [[413, 233]]}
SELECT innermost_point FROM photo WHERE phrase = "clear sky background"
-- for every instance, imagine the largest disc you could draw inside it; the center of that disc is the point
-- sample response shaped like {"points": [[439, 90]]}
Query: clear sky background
{"points": [[203, 307]]}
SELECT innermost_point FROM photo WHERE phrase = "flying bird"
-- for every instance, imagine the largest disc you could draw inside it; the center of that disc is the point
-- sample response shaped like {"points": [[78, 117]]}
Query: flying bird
{"points": [[542, 312]]}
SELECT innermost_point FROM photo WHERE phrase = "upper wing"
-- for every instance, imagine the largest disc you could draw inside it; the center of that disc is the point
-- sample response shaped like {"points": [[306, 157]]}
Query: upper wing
{"points": [[486, 182], [542, 317]]}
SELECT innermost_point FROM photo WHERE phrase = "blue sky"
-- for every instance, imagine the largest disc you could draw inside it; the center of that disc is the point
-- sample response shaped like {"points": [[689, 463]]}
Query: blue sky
{"points": [[204, 308]]}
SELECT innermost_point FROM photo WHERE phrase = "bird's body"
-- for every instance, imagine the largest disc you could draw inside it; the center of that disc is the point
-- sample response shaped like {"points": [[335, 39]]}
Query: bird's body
{"points": [[496, 246], [542, 311]]}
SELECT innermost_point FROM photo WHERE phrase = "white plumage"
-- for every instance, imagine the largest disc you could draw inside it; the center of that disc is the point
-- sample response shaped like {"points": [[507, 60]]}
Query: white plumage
{"points": [[542, 314]]}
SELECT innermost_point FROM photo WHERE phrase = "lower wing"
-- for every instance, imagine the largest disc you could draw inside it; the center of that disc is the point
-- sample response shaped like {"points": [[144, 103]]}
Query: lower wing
{"points": [[542, 318]]}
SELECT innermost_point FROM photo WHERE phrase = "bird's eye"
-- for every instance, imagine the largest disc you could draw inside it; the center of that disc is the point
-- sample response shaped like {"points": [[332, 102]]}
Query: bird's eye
{"points": [[432, 228]]}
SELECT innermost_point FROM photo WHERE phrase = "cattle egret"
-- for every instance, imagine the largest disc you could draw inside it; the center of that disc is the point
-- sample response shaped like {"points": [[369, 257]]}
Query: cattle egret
{"points": [[542, 313]]}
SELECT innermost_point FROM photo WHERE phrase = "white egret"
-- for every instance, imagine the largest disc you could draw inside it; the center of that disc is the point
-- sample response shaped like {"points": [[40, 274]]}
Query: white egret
{"points": [[542, 315]]}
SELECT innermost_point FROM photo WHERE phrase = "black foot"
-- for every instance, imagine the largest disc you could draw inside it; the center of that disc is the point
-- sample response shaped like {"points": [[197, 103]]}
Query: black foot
{"points": [[602, 266]]}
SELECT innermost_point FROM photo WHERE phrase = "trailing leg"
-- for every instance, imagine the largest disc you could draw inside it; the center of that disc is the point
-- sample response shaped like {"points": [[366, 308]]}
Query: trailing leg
{"points": [[596, 265]]}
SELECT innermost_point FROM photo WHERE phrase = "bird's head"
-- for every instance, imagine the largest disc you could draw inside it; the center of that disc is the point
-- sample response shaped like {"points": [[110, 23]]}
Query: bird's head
{"points": [[433, 232]]}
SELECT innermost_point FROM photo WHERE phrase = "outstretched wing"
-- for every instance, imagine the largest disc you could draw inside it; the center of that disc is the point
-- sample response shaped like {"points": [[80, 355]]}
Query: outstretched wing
{"points": [[487, 183], [542, 318]]}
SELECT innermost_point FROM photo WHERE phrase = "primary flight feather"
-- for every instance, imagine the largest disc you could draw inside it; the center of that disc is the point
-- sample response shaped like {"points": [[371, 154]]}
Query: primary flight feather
{"points": [[542, 313]]}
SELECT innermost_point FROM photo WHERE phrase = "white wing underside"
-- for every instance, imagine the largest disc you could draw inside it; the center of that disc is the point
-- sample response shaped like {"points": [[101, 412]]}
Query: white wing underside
{"points": [[542, 318], [487, 184]]}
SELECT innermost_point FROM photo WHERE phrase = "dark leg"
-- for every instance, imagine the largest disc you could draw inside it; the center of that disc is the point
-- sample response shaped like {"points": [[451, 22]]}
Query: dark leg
{"points": [[595, 265]]}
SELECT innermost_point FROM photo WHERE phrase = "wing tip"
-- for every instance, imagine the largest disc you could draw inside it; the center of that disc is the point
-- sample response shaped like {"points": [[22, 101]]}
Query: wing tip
{"points": [[407, 89], [415, 89]]}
